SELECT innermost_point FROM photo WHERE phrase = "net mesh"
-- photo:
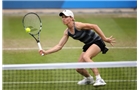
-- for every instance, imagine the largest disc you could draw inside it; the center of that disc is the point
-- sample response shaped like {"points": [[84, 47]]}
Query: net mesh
{"points": [[64, 76]]}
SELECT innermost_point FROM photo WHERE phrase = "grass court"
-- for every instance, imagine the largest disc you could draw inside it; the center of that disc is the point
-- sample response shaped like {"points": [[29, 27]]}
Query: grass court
{"points": [[20, 48]]}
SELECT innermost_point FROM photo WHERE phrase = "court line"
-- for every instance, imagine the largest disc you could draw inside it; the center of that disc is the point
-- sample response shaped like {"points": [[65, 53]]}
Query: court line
{"points": [[66, 48], [63, 82]]}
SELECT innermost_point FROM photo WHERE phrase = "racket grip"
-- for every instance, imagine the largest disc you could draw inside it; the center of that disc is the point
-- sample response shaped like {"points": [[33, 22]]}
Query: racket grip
{"points": [[40, 48]]}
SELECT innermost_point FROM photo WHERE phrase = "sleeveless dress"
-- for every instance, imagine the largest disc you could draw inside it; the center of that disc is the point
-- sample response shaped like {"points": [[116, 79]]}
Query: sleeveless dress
{"points": [[88, 37]]}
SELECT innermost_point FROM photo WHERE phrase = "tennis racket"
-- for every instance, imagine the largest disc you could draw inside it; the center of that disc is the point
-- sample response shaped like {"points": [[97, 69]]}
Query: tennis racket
{"points": [[33, 22]]}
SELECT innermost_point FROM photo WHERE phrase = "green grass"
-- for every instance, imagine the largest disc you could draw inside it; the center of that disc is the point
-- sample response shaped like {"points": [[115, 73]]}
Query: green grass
{"points": [[23, 57], [14, 36]]}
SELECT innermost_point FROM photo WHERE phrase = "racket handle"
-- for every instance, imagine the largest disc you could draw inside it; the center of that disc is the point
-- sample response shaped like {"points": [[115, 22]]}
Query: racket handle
{"points": [[40, 48]]}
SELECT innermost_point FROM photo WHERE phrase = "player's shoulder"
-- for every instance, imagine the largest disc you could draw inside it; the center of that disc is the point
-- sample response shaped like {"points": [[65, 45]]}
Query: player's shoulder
{"points": [[66, 31], [79, 25]]}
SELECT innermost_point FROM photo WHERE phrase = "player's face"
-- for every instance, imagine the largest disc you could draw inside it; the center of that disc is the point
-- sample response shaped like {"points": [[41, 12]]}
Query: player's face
{"points": [[66, 19]]}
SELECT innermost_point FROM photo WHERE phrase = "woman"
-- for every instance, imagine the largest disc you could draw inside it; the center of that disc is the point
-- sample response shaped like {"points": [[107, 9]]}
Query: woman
{"points": [[93, 44]]}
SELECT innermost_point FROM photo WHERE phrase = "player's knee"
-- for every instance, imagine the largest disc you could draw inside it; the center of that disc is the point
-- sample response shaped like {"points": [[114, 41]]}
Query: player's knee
{"points": [[86, 58]]}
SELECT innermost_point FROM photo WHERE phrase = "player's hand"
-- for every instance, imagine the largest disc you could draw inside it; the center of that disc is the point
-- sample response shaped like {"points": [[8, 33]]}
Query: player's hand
{"points": [[42, 52], [110, 40]]}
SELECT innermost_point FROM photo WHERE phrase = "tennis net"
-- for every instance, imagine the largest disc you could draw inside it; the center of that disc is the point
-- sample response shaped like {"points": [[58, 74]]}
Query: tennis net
{"points": [[63, 76]]}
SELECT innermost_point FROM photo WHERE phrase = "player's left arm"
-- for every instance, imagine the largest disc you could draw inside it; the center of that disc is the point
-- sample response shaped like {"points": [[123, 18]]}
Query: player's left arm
{"points": [[58, 46], [96, 28]]}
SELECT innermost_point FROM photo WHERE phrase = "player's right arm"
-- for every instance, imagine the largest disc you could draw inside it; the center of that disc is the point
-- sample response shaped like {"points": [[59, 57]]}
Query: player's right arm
{"points": [[57, 47]]}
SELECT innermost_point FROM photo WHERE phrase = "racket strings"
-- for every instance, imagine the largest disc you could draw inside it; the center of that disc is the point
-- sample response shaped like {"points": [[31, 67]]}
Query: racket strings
{"points": [[33, 22]]}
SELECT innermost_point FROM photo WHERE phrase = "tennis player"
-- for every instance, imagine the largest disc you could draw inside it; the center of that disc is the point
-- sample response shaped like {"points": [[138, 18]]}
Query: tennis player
{"points": [[93, 38]]}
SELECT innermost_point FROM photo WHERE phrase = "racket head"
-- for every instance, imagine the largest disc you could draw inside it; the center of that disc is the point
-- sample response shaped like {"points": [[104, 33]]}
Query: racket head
{"points": [[32, 20]]}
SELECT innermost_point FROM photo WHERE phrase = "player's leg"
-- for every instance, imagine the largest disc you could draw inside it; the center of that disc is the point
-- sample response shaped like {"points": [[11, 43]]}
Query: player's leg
{"points": [[91, 52], [88, 79], [82, 71]]}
